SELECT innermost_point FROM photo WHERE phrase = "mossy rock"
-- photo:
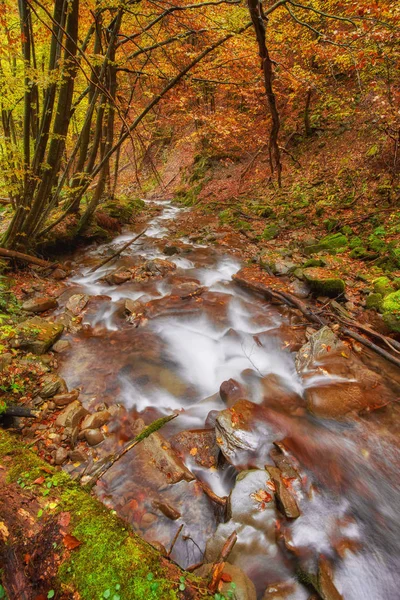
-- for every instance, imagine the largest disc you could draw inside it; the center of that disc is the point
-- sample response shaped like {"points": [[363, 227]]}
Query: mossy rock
{"points": [[324, 283], [374, 301], [314, 262], [362, 253], [123, 209], [330, 243], [270, 232], [383, 285], [391, 311], [355, 242], [36, 335]]}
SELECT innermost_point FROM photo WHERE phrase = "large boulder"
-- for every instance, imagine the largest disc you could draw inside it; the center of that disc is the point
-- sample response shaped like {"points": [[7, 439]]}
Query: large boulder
{"points": [[38, 305], [323, 282], [36, 335]]}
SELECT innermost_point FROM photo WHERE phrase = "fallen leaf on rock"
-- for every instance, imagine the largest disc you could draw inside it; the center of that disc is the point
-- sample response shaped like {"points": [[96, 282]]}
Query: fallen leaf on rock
{"points": [[193, 451], [226, 577], [261, 496], [71, 542]]}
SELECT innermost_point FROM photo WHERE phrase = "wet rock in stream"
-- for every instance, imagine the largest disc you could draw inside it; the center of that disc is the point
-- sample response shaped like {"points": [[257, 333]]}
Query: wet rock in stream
{"points": [[243, 433], [76, 303], [199, 444], [338, 383]]}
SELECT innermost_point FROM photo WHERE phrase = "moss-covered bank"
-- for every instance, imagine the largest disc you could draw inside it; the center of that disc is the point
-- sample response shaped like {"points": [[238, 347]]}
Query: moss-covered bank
{"points": [[110, 560]]}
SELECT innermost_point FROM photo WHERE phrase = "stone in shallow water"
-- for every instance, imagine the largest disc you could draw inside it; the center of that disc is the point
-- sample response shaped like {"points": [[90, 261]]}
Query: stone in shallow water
{"points": [[283, 496], [77, 303], [339, 383], [36, 335], [52, 385], [94, 436], [200, 444], [231, 391], [72, 415], [96, 420], [243, 433]]}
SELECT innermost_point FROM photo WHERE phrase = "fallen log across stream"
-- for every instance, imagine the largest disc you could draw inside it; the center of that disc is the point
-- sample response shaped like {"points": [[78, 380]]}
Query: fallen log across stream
{"points": [[313, 317]]}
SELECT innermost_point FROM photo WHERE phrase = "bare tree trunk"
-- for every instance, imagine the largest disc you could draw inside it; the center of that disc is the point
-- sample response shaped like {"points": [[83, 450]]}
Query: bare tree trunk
{"points": [[258, 19]]}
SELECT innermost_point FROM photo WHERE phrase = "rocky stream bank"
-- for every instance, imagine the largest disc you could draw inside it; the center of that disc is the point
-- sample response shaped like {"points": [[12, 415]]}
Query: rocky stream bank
{"points": [[285, 439]]}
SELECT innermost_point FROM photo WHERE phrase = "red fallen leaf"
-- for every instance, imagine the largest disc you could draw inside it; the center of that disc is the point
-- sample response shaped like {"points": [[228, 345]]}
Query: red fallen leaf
{"points": [[39, 480], [27, 558], [46, 469], [40, 597], [64, 519], [226, 577], [71, 542]]}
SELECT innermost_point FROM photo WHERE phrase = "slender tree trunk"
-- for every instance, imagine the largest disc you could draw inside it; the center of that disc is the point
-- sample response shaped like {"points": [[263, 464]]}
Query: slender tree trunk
{"points": [[258, 19]]}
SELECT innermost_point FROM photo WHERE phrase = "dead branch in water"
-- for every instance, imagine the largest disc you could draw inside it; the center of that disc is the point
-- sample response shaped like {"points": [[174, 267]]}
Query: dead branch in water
{"points": [[218, 566], [116, 254], [91, 480]]}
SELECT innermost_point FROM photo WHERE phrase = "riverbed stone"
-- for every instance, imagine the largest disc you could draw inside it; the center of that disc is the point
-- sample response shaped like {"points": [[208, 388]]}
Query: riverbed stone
{"points": [[322, 344], [323, 282], [61, 346], [71, 415], [77, 303], [284, 498], [52, 385], [244, 434], [38, 305], [65, 398], [36, 335], [96, 420], [199, 444], [119, 277], [94, 436], [60, 456], [231, 391]]}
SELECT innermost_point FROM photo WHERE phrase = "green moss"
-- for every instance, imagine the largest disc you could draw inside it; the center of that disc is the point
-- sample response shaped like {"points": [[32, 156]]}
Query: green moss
{"points": [[314, 262], [330, 243], [324, 283], [110, 556], [123, 208], [383, 285], [391, 303], [392, 320], [270, 232], [374, 301], [355, 242]]}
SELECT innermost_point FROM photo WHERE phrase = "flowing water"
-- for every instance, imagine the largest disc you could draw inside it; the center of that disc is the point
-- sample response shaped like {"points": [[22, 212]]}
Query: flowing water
{"points": [[175, 359]]}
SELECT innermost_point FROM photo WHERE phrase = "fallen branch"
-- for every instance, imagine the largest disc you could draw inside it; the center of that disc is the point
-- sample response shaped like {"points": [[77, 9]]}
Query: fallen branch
{"points": [[10, 254], [174, 540], [19, 411], [292, 301], [221, 500], [116, 254], [218, 567], [91, 480]]}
